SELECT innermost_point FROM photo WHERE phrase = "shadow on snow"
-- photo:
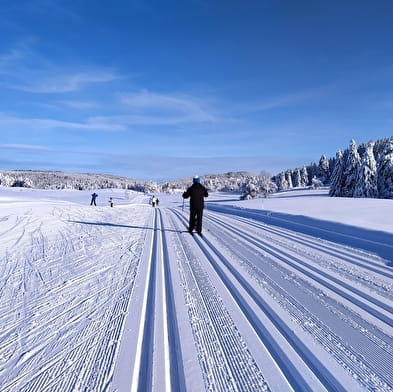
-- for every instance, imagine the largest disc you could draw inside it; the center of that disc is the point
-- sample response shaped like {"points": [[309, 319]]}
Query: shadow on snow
{"points": [[377, 242], [126, 226]]}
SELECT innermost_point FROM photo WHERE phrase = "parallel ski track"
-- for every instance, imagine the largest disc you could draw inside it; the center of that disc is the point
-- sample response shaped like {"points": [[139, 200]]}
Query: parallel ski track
{"points": [[226, 362], [339, 252], [291, 278], [174, 380], [367, 302], [177, 381], [145, 378], [293, 375], [380, 343], [50, 362]]}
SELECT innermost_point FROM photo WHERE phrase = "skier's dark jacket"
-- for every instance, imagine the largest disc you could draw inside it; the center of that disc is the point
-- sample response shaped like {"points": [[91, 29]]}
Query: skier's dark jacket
{"points": [[196, 192]]}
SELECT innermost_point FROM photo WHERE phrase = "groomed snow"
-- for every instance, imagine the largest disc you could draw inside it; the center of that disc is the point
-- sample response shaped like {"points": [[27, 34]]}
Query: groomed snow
{"points": [[289, 293], [375, 214]]}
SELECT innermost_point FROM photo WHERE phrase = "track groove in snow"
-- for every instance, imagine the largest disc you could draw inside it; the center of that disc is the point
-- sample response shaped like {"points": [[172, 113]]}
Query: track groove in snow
{"points": [[65, 336], [378, 353], [224, 357], [325, 278], [124, 299], [330, 256]]}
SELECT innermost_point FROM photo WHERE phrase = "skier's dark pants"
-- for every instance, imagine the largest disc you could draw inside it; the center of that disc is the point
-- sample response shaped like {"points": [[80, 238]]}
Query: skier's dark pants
{"points": [[93, 202], [195, 219]]}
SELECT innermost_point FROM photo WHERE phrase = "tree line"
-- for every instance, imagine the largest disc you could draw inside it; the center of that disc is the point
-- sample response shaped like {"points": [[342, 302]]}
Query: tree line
{"points": [[358, 171], [231, 181]]}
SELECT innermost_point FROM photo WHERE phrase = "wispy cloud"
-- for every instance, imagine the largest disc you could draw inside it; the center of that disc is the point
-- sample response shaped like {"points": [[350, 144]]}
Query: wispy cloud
{"points": [[129, 120], [63, 83], [282, 101], [30, 147], [152, 108], [80, 105], [93, 124], [15, 55], [261, 105], [24, 68]]}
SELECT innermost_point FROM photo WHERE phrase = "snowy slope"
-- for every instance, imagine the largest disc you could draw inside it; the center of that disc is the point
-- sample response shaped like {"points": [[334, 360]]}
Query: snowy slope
{"points": [[289, 293]]}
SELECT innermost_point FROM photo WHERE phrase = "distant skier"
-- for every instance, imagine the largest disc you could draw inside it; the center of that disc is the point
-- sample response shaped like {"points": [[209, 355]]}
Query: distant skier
{"points": [[157, 201], [196, 192], [93, 199], [111, 202], [153, 201]]}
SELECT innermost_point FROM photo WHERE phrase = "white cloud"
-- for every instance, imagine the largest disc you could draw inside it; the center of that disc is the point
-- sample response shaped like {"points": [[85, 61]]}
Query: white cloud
{"points": [[129, 120], [295, 98], [152, 108], [26, 69], [93, 124], [63, 83], [80, 105], [25, 147]]}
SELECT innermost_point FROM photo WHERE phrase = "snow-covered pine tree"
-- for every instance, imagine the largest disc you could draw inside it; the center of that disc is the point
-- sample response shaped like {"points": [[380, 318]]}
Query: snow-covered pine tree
{"points": [[281, 182], [6, 180], [385, 171], [297, 179], [337, 183], [352, 163], [304, 176], [316, 183], [366, 182], [324, 169], [249, 189], [332, 162], [288, 177], [265, 184], [313, 171]]}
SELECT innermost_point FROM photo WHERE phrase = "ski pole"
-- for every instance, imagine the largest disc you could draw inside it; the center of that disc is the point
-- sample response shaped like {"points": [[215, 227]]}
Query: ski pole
{"points": [[183, 206]]}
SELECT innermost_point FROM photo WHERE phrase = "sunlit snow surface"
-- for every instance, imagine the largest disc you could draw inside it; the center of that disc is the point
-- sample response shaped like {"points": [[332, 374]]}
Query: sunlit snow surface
{"points": [[293, 292]]}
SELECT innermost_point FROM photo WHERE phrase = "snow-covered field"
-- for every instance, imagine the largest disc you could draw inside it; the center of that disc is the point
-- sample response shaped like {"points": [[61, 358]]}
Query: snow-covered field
{"points": [[290, 293]]}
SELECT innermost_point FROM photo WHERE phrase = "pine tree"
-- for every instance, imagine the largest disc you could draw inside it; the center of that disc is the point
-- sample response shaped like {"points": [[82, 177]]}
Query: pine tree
{"points": [[336, 186], [316, 183], [250, 189], [385, 171], [304, 177], [324, 169], [366, 182], [282, 182], [297, 179], [352, 163], [265, 184], [288, 177], [313, 171]]}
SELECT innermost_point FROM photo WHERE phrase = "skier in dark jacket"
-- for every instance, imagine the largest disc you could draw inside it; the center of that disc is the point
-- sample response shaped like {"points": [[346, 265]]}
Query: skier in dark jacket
{"points": [[93, 199], [196, 192]]}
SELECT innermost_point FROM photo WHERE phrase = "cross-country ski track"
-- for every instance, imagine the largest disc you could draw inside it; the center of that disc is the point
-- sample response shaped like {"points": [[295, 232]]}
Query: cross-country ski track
{"points": [[125, 299]]}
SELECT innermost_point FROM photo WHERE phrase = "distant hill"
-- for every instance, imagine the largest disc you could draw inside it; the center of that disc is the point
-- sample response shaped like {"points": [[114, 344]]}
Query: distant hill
{"points": [[40, 179], [62, 180], [231, 181]]}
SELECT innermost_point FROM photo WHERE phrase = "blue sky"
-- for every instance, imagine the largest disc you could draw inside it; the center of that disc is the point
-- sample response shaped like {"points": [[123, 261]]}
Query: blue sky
{"points": [[163, 90]]}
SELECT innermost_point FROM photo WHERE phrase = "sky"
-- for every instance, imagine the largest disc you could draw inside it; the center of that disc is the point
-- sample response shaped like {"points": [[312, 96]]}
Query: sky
{"points": [[156, 90]]}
